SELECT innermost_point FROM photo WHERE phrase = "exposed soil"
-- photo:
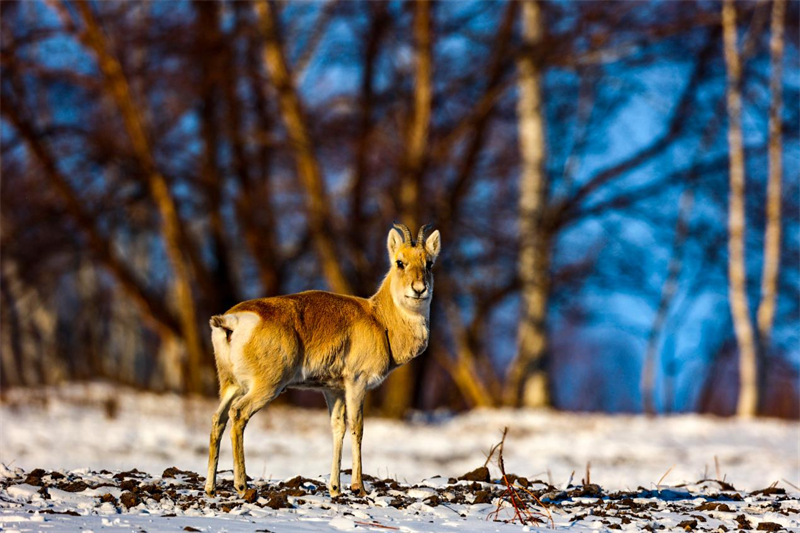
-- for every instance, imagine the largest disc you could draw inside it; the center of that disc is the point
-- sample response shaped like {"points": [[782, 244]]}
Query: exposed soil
{"points": [[706, 506]]}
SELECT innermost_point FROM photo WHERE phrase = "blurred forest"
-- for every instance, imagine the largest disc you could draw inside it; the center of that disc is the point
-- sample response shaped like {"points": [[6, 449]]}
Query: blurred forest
{"points": [[616, 185]]}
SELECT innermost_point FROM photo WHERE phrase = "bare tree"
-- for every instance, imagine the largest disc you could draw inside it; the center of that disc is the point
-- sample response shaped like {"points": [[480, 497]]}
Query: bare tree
{"points": [[400, 385], [527, 378], [737, 278], [273, 129], [308, 167], [118, 88], [772, 235]]}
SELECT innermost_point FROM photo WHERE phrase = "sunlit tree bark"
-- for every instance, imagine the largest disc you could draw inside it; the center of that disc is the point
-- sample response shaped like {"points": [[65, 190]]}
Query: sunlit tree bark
{"points": [[257, 218], [379, 24], [400, 385], [737, 279], [527, 378], [118, 87], [772, 236], [419, 125], [308, 168]]}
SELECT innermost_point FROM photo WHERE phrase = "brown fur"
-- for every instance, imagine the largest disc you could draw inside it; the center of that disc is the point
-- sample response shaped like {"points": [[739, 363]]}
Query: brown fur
{"points": [[342, 345]]}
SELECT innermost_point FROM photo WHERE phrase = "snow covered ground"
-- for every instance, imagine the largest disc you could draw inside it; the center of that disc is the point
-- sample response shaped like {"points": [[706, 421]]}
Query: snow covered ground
{"points": [[80, 430]]}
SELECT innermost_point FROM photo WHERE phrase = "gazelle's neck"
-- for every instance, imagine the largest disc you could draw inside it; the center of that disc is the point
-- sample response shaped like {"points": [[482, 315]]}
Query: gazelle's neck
{"points": [[408, 329]]}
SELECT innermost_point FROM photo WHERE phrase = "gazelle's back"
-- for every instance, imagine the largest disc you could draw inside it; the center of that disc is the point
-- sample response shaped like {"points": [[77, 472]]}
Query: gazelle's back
{"points": [[313, 333]]}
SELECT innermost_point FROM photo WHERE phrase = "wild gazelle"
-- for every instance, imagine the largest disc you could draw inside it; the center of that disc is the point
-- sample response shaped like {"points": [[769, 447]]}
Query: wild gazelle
{"points": [[341, 345]]}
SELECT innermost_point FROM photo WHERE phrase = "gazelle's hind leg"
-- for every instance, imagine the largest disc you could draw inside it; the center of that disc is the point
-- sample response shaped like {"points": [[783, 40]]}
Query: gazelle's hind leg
{"points": [[218, 423], [242, 409], [336, 408], [354, 402]]}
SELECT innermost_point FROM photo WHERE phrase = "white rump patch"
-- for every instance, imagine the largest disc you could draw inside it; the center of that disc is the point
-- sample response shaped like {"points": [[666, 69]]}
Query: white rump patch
{"points": [[246, 322]]}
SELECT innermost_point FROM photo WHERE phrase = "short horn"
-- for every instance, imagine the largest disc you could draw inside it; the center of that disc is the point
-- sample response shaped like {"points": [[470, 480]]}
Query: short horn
{"points": [[402, 228], [421, 235]]}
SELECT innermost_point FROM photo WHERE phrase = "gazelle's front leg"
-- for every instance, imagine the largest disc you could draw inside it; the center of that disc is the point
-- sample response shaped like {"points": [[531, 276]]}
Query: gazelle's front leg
{"points": [[354, 399], [336, 408]]}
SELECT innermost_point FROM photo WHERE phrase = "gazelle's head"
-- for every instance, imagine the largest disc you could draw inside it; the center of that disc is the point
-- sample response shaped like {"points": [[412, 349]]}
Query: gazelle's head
{"points": [[411, 274]]}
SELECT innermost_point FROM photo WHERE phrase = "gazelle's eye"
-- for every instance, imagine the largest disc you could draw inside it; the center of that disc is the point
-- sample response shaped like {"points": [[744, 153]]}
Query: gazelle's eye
{"points": [[429, 265], [400, 265]]}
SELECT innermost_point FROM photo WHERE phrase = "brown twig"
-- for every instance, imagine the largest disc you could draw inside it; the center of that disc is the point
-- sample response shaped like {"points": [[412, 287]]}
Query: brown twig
{"points": [[541, 504], [491, 453], [790, 483], [521, 510], [665, 475]]}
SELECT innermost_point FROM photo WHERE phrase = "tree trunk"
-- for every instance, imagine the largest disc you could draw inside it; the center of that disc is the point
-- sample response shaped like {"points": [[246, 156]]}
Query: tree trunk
{"points": [[400, 385], [772, 236], [379, 23], [419, 126], [117, 86], [222, 294], [317, 202], [737, 279], [527, 377]]}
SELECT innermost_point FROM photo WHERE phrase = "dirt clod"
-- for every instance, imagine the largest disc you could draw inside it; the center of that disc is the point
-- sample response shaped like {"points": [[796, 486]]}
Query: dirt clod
{"points": [[713, 506], [250, 495], [172, 472], [129, 499], [769, 491], [483, 497], [130, 485], [279, 501], [35, 477], [479, 474], [74, 486], [743, 522], [433, 501], [127, 474], [770, 526]]}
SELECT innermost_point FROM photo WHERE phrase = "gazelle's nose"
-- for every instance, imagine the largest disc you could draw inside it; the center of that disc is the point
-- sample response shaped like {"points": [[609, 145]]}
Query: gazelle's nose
{"points": [[419, 287]]}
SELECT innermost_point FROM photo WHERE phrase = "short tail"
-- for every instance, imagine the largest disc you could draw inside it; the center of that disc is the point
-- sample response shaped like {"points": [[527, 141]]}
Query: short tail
{"points": [[226, 323]]}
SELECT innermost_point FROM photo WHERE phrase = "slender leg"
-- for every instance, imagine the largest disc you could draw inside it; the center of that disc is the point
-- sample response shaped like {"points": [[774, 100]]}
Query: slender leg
{"points": [[354, 400], [218, 423], [242, 409], [336, 408]]}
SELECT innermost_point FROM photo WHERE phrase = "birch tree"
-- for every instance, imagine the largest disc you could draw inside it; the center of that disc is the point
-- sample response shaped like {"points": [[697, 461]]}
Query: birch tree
{"points": [[527, 379], [737, 277], [772, 235]]}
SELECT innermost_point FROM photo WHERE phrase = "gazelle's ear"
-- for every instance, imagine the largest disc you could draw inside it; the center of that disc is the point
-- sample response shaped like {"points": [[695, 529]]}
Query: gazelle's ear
{"points": [[393, 242], [433, 244]]}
